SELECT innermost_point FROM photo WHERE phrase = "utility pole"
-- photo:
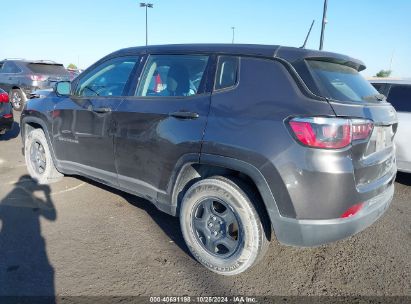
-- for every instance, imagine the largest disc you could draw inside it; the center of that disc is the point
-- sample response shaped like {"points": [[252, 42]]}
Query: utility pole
{"points": [[146, 5], [233, 28], [324, 23]]}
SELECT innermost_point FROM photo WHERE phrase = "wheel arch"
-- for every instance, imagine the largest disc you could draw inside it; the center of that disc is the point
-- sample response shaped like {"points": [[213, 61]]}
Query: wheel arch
{"points": [[210, 165], [31, 123]]}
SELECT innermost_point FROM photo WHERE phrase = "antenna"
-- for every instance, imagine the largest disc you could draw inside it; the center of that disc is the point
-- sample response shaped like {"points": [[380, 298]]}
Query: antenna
{"points": [[308, 35]]}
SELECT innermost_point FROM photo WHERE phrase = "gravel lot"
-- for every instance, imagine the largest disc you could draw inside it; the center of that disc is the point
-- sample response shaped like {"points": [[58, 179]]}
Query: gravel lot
{"points": [[77, 237]]}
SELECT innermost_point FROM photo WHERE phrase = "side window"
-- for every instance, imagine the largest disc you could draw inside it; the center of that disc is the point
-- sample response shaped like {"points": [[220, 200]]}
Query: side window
{"points": [[227, 72], [172, 75], [1, 67], [400, 97], [107, 79], [10, 67]]}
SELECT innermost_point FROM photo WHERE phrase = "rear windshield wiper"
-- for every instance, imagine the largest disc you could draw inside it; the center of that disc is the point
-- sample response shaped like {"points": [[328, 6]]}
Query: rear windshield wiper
{"points": [[379, 97]]}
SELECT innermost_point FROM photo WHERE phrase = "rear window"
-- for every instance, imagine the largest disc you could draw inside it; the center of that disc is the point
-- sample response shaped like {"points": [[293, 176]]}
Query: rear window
{"points": [[48, 69], [341, 82], [400, 98]]}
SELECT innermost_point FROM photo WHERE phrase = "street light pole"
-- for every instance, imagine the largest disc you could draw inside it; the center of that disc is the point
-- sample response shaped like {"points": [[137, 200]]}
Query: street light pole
{"points": [[146, 5], [233, 28], [323, 26]]}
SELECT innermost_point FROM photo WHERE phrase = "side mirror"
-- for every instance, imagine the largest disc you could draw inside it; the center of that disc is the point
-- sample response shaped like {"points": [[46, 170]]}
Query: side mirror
{"points": [[63, 88]]}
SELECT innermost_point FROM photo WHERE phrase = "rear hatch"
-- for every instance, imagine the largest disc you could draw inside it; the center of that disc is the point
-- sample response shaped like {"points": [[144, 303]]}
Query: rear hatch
{"points": [[350, 95], [49, 72]]}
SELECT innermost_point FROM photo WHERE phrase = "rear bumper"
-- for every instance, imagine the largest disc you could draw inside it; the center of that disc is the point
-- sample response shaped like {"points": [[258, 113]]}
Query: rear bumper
{"points": [[6, 123], [307, 233]]}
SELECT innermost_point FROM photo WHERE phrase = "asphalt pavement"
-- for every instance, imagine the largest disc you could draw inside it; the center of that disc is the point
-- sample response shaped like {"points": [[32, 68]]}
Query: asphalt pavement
{"points": [[77, 237]]}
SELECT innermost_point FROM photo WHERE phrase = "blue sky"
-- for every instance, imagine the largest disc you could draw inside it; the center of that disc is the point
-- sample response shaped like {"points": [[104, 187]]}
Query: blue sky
{"points": [[82, 31]]}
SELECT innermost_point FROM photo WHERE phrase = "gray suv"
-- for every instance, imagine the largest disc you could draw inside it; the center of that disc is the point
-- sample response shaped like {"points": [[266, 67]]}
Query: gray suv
{"points": [[21, 77], [236, 140]]}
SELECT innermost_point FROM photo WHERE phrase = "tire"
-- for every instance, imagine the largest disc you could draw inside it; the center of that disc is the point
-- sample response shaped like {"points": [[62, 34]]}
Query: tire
{"points": [[38, 158], [221, 226], [17, 99]]}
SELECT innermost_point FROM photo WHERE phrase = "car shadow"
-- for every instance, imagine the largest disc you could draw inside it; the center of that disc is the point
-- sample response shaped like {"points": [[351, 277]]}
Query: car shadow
{"points": [[403, 178], [12, 133], [169, 224], [25, 269]]}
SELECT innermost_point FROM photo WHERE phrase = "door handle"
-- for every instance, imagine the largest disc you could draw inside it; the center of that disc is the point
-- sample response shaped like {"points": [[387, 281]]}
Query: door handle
{"points": [[185, 115], [102, 110]]}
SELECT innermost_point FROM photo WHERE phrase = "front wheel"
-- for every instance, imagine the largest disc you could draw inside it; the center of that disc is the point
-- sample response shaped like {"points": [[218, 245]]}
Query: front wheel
{"points": [[222, 227], [38, 158]]}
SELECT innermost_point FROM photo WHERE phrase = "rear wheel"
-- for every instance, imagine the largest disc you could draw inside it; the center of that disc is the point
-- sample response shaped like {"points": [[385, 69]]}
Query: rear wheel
{"points": [[38, 158], [17, 99], [222, 227]]}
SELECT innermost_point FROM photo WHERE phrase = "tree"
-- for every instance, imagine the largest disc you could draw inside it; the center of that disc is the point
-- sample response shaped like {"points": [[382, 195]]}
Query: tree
{"points": [[72, 66], [383, 73]]}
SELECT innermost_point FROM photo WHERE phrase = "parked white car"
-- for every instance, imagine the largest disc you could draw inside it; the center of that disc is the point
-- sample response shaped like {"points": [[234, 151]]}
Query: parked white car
{"points": [[398, 93]]}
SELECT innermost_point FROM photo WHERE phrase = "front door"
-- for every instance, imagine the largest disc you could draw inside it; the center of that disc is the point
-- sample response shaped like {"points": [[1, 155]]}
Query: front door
{"points": [[83, 125], [163, 122]]}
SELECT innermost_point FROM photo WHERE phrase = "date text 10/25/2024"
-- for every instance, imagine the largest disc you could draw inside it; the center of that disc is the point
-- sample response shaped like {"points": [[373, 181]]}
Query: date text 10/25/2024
{"points": [[189, 299]]}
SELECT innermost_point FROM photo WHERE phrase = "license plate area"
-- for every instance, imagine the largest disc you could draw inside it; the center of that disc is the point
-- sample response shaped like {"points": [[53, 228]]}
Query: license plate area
{"points": [[381, 138]]}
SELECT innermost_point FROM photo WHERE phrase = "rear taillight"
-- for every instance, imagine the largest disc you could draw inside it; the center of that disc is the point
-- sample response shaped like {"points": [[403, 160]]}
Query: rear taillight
{"points": [[38, 77], [8, 116], [352, 210], [361, 129], [330, 133], [4, 97]]}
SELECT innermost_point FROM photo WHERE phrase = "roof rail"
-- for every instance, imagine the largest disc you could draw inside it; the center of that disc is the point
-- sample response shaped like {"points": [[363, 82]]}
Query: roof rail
{"points": [[14, 59]]}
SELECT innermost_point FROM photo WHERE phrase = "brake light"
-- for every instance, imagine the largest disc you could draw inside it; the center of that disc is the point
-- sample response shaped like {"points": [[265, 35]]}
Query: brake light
{"points": [[38, 77], [352, 210], [8, 115], [330, 133], [361, 129], [4, 97]]}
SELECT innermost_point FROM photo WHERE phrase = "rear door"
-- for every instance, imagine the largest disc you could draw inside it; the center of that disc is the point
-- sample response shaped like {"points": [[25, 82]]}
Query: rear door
{"points": [[83, 123], [163, 122], [350, 95]]}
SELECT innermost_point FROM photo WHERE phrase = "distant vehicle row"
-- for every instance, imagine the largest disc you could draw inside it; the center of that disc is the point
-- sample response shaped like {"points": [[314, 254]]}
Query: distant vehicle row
{"points": [[21, 77]]}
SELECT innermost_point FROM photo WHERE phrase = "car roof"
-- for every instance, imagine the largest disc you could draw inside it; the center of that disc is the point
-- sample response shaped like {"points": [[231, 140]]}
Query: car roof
{"points": [[390, 80], [291, 54]]}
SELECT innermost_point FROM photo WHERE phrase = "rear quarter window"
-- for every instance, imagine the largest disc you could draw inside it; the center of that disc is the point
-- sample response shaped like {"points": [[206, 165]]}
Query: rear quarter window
{"points": [[400, 97], [227, 72]]}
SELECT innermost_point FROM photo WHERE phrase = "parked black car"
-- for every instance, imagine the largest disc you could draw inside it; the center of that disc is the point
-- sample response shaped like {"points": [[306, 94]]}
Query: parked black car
{"points": [[6, 113], [236, 140], [20, 77]]}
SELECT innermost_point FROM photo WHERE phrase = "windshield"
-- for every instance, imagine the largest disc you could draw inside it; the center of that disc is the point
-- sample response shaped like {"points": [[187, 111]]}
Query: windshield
{"points": [[341, 82]]}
